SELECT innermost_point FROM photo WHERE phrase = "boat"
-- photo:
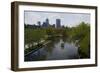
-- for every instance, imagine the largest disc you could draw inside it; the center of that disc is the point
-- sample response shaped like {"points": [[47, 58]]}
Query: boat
{"points": [[62, 44]]}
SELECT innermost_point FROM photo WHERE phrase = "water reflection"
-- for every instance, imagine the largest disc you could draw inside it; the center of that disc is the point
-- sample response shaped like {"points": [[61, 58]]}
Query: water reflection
{"points": [[57, 49]]}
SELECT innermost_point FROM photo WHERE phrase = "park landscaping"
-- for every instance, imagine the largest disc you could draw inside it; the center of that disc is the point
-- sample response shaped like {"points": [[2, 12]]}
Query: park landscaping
{"points": [[36, 38]]}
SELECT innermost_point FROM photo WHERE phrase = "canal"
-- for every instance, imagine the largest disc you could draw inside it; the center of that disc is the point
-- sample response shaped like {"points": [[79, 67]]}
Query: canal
{"points": [[58, 49]]}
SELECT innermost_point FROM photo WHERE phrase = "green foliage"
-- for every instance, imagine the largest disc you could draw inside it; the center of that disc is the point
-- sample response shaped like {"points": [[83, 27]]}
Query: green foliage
{"points": [[80, 32], [85, 45], [50, 31], [64, 33], [33, 35]]}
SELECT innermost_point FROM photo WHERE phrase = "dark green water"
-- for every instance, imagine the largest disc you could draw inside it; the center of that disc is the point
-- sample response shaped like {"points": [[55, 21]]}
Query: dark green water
{"points": [[58, 49]]}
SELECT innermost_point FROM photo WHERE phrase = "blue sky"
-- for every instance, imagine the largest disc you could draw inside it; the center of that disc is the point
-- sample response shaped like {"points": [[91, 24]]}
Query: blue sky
{"points": [[67, 19]]}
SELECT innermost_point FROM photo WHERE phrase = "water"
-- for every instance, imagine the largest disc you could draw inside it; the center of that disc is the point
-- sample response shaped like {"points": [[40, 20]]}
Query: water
{"points": [[58, 49]]}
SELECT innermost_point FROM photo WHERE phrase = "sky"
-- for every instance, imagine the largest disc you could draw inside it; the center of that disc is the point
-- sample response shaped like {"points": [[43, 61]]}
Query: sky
{"points": [[67, 19]]}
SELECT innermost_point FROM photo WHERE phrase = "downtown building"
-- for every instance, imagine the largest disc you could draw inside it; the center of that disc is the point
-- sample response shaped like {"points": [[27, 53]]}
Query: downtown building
{"points": [[58, 23], [46, 23]]}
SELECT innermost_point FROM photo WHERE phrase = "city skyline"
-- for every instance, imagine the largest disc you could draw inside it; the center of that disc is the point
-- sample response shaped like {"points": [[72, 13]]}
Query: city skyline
{"points": [[67, 19], [46, 24]]}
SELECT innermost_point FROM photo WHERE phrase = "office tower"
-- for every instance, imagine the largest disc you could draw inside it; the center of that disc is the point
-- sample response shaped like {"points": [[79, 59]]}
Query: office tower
{"points": [[44, 24], [47, 22], [58, 23]]}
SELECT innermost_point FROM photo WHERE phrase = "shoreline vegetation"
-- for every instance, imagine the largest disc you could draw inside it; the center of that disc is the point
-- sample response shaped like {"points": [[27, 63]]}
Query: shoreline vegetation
{"points": [[36, 38]]}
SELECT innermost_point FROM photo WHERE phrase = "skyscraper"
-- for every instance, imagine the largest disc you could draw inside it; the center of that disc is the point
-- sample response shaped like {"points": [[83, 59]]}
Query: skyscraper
{"points": [[58, 23], [47, 22], [44, 24]]}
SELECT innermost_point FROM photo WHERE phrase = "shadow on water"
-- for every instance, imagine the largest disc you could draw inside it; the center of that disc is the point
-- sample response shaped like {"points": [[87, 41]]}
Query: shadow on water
{"points": [[57, 49]]}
